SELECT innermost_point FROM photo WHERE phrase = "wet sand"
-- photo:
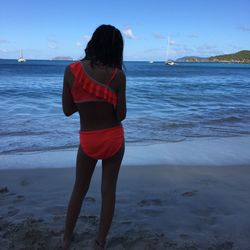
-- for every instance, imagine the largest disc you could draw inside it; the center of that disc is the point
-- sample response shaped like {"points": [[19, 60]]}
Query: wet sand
{"points": [[158, 207]]}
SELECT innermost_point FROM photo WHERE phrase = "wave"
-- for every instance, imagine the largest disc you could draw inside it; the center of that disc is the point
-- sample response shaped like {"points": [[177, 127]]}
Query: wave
{"points": [[164, 105], [22, 133], [229, 119], [34, 150]]}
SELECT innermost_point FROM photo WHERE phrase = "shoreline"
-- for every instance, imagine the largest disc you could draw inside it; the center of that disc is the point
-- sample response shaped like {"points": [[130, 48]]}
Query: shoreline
{"points": [[171, 207], [129, 61], [226, 62], [225, 151]]}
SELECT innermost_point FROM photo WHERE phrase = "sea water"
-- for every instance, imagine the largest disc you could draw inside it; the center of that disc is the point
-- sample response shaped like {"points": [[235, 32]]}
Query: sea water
{"points": [[167, 105]]}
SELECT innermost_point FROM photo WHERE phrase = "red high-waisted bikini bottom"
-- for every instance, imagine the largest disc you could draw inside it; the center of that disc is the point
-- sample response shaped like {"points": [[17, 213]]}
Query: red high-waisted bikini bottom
{"points": [[103, 143]]}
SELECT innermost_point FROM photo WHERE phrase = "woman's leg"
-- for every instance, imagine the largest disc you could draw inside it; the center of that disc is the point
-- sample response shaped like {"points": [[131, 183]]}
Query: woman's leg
{"points": [[110, 170], [84, 169]]}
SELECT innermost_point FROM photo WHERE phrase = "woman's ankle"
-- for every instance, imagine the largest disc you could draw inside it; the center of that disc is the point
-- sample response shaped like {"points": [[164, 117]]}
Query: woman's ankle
{"points": [[66, 244], [100, 242], [67, 238]]}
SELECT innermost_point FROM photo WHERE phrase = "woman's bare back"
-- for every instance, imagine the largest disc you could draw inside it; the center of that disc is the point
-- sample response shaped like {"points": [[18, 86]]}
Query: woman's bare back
{"points": [[94, 114]]}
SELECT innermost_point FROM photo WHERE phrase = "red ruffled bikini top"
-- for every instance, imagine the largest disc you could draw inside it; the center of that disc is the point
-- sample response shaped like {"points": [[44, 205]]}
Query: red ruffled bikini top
{"points": [[86, 89]]}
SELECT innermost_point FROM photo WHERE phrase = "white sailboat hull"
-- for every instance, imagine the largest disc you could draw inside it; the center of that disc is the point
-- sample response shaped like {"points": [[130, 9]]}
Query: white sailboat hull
{"points": [[21, 60], [171, 63]]}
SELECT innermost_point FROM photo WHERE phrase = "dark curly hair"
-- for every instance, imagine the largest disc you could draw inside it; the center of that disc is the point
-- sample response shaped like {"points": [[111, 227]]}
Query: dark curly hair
{"points": [[105, 47]]}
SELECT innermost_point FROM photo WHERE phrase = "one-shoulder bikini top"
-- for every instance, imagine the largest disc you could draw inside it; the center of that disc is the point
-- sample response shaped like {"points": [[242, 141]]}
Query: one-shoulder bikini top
{"points": [[85, 88]]}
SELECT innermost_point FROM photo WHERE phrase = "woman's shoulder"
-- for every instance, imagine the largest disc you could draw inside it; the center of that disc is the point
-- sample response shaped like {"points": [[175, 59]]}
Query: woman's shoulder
{"points": [[120, 74], [72, 65], [70, 68], [68, 73]]}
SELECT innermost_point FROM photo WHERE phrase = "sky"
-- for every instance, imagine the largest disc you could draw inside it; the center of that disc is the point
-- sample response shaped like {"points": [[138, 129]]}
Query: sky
{"points": [[49, 28]]}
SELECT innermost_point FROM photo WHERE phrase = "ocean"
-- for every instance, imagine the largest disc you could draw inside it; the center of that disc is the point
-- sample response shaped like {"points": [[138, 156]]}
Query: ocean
{"points": [[166, 105]]}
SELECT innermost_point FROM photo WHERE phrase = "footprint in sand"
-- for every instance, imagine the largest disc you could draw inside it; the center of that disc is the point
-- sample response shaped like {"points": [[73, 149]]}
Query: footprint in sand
{"points": [[151, 207], [58, 218], [211, 220], [24, 183], [116, 241], [4, 190], [56, 233], [150, 202], [126, 222], [205, 212], [89, 199], [208, 181], [184, 236], [19, 198], [227, 245], [56, 210], [189, 193], [151, 212], [12, 211], [92, 219]]}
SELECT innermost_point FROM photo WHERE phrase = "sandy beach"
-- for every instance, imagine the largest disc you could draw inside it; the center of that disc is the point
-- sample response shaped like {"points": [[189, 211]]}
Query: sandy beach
{"points": [[158, 207]]}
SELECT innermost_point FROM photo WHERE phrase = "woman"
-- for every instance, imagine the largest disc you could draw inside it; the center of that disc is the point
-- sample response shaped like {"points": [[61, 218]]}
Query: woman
{"points": [[95, 87]]}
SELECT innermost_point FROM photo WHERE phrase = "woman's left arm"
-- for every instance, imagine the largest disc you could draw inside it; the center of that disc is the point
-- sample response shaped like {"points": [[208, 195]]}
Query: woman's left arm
{"points": [[68, 105]]}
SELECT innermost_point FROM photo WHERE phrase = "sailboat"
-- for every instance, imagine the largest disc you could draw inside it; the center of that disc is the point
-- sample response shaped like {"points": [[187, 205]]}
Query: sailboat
{"points": [[169, 61], [21, 59]]}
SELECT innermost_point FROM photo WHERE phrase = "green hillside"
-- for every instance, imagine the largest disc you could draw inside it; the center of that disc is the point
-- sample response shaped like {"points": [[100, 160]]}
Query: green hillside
{"points": [[240, 57]]}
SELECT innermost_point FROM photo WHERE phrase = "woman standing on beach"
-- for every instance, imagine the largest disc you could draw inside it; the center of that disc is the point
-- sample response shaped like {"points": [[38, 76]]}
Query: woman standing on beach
{"points": [[95, 87]]}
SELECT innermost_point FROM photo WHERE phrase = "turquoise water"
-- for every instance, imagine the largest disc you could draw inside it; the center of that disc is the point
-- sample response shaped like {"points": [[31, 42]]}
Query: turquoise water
{"points": [[165, 104]]}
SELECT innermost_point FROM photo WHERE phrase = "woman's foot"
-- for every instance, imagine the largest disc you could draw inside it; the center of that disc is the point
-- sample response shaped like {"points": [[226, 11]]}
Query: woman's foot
{"points": [[100, 245], [67, 242]]}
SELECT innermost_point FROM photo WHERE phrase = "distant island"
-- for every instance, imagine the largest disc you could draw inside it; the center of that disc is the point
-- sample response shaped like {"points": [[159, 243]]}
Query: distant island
{"points": [[63, 58], [192, 59], [242, 56]]}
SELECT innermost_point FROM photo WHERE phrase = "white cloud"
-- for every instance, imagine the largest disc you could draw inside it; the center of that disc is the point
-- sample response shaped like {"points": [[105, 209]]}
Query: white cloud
{"points": [[4, 50], [176, 50], [234, 47], [79, 44], [172, 42], [159, 36], [244, 28], [207, 47], [4, 41], [83, 41], [128, 33], [52, 43], [193, 35], [169, 40], [86, 37], [207, 50]]}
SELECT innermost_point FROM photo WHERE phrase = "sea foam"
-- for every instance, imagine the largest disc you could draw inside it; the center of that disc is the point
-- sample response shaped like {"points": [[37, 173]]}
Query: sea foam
{"points": [[198, 152]]}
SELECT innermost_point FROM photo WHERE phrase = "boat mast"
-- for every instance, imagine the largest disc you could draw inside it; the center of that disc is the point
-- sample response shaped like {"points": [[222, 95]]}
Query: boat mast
{"points": [[167, 49]]}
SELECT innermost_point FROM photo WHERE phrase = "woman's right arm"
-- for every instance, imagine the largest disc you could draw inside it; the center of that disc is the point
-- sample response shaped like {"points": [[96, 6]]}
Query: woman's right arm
{"points": [[121, 108], [68, 104]]}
